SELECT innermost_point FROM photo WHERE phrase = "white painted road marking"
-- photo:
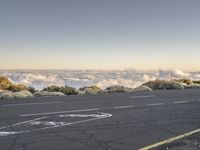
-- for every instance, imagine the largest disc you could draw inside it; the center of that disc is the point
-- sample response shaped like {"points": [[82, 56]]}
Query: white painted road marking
{"points": [[170, 140], [121, 107], [25, 104], [5, 133], [180, 102], [59, 112], [154, 104], [142, 96], [49, 122], [24, 122]]}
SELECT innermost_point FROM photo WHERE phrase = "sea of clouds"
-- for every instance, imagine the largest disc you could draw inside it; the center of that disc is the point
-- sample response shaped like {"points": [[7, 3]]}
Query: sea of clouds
{"points": [[80, 78]]}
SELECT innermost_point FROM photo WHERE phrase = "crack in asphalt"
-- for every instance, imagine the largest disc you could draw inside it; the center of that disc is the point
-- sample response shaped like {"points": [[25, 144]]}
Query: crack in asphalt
{"points": [[14, 142]]}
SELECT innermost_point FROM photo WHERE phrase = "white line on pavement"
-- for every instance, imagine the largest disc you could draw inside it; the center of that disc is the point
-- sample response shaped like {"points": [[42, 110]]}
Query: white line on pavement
{"points": [[51, 123], [58, 112], [24, 122], [25, 104], [180, 102], [154, 104], [142, 96], [121, 107]]}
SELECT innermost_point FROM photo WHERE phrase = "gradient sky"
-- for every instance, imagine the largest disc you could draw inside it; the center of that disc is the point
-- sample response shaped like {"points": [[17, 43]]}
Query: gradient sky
{"points": [[100, 34]]}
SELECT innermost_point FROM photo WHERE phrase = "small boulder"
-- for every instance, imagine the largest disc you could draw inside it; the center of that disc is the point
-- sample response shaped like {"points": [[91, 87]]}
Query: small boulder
{"points": [[46, 93]]}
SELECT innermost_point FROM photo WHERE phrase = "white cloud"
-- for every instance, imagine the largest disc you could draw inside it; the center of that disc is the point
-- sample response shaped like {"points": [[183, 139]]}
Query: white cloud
{"points": [[103, 79]]}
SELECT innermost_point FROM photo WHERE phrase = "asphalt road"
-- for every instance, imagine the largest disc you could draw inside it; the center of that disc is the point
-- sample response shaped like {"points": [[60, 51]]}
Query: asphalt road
{"points": [[98, 122], [187, 143]]}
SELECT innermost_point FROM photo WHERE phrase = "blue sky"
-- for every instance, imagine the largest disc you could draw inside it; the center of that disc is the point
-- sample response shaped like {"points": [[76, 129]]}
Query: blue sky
{"points": [[100, 34]]}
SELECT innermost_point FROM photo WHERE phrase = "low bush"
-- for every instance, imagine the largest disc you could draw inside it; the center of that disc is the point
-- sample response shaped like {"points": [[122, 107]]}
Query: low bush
{"points": [[81, 92], [22, 94], [118, 89], [192, 86], [66, 90], [52, 88], [164, 85], [31, 89], [184, 81], [90, 90], [196, 81], [69, 90], [6, 95], [4, 83], [17, 88], [142, 88], [46, 93]]}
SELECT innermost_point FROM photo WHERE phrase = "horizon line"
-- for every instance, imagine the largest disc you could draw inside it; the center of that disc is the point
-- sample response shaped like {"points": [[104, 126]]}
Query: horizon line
{"points": [[97, 69]]}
